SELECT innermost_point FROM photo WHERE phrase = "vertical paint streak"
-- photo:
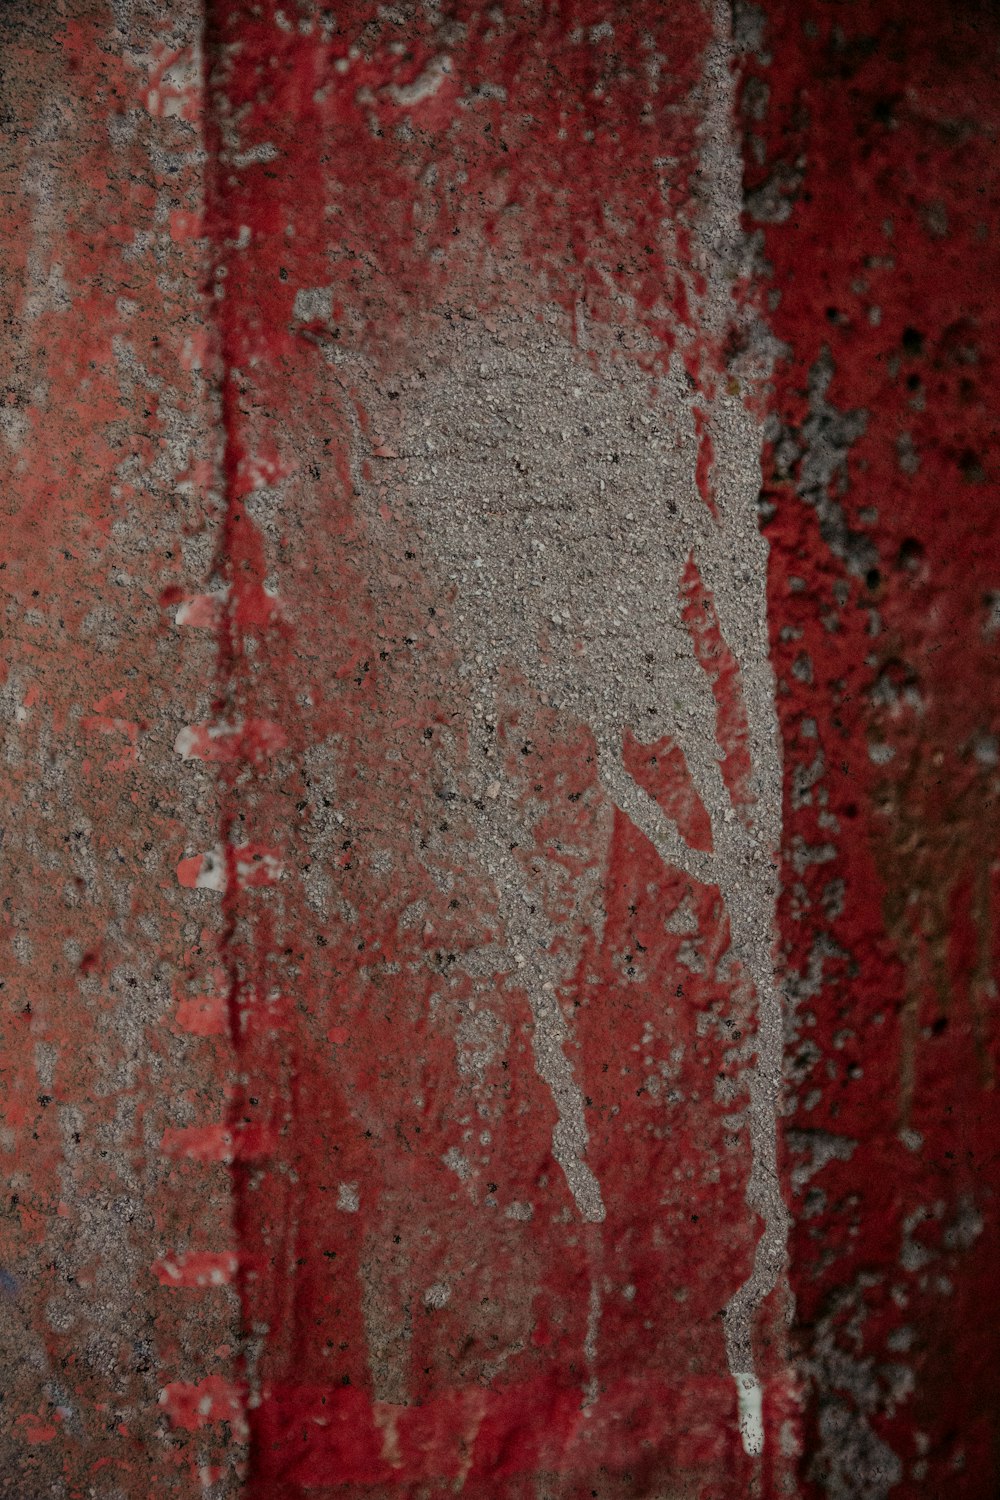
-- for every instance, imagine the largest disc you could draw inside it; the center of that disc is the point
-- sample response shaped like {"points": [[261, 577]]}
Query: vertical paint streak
{"points": [[720, 666], [750, 903]]}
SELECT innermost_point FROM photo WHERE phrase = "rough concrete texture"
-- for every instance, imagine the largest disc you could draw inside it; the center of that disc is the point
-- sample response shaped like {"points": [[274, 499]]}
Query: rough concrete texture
{"points": [[870, 150], [500, 692]]}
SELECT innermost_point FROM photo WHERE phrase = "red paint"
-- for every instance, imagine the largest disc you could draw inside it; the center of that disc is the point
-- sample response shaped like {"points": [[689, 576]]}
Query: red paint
{"points": [[720, 666], [890, 926], [241, 1141], [364, 1070], [662, 771], [477, 1438], [337, 1157], [196, 1268], [202, 1403], [216, 742], [188, 870], [706, 459], [98, 310], [204, 1015], [36, 1429]]}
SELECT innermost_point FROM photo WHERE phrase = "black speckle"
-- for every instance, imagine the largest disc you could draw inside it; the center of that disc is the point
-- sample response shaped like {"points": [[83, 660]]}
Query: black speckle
{"points": [[971, 469], [911, 554]]}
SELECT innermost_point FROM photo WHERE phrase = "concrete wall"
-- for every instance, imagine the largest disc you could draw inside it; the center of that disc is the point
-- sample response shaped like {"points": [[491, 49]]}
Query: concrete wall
{"points": [[501, 586]]}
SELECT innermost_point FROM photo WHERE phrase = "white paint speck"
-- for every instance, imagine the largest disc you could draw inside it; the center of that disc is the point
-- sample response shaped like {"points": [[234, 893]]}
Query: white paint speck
{"points": [[348, 1200], [313, 304], [458, 1163], [212, 875], [750, 1411], [519, 1210], [424, 87], [264, 152]]}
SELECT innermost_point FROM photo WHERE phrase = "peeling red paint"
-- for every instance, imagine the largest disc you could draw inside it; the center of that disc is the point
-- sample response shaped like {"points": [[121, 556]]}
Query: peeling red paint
{"points": [[662, 770], [388, 1087], [204, 1015], [196, 1268], [885, 545], [286, 1211], [191, 1405]]}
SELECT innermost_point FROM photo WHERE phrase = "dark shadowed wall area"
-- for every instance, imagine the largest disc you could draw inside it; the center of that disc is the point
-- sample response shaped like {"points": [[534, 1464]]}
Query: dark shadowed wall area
{"points": [[870, 149], [499, 603]]}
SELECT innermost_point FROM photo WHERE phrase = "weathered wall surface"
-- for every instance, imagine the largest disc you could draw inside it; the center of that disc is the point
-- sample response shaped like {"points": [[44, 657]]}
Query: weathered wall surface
{"points": [[500, 700], [109, 449], [871, 169]]}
